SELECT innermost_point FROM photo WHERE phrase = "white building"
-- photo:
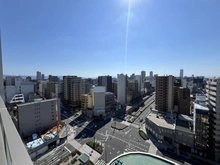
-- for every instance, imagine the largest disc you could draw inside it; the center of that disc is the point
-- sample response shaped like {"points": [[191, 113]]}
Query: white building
{"points": [[122, 88], [38, 75], [99, 100], [20, 87]]}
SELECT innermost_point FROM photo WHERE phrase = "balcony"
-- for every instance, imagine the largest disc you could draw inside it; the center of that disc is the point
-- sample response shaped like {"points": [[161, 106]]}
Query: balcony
{"points": [[12, 149]]}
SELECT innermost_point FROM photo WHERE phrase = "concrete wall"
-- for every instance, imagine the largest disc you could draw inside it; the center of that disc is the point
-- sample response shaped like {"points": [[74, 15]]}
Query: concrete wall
{"points": [[37, 116], [99, 100], [184, 138], [26, 90]]}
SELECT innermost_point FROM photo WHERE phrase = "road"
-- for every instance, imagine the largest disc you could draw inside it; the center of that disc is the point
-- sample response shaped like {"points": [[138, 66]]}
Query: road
{"points": [[115, 142], [55, 155], [147, 104]]}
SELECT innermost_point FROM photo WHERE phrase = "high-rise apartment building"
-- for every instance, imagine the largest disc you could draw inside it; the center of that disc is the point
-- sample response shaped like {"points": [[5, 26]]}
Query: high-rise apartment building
{"points": [[201, 124], [122, 88], [99, 101], [42, 76], [164, 93], [184, 101], [151, 74], [38, 75], [181, 73], [213, 100], [132, 89], [105, 81], [143, 76], [73, 88]]}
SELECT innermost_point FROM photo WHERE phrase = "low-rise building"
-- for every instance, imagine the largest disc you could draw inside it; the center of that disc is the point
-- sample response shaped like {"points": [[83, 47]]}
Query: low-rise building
{"points": [[161, 126], [19, 87]]}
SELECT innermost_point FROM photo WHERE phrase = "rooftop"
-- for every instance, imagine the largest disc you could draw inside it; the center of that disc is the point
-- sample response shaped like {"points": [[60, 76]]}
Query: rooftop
{"points": [[162, 120], [201, 107], [184, 125], [185, 117], [36, 101]]}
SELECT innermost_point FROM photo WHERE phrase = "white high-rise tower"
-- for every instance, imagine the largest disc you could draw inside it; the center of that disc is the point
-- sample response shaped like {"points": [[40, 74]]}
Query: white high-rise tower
{"points": [[122, 88]]}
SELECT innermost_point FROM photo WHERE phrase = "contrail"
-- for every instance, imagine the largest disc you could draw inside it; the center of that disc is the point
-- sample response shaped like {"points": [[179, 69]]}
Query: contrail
{"points": [[126, 36]]}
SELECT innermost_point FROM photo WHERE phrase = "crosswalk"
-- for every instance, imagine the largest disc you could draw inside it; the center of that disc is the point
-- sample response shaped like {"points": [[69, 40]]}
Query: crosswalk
{"points": [[100, 162], [130, 149]]}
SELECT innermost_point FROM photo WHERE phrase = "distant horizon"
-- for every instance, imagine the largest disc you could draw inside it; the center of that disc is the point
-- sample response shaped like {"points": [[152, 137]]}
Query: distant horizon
{"points": [[61, 77]]}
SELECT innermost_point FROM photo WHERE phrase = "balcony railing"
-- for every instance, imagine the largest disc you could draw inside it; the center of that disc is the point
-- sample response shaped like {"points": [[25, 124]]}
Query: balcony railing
{"points": [[12, 149]]}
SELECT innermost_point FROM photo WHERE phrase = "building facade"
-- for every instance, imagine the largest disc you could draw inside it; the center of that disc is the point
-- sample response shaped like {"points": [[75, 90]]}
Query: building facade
{"points": [[37, 116], [42, 87], [38, 75], [213, 100], [54, 79], [181, 73], [105, 81], [99, 101], [201, 127], [122, 88], [20, 87], [10, 81], [53, 90], [73, 88], [184, 101], [139, 82], [109, 103], [143, 76], [164, 93], [115, 88]]}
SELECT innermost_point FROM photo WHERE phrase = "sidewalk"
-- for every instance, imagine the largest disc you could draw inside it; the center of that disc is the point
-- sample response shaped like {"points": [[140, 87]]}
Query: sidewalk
{"points": [[153, 147], [93, 155]]}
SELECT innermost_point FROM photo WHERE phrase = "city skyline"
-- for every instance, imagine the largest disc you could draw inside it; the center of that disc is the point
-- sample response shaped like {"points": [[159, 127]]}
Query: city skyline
{"points": [[90, 39]]}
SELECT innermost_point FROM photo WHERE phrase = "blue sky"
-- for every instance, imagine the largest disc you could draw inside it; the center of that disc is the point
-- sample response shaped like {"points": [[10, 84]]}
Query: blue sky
{"points": [[88, 37]]}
